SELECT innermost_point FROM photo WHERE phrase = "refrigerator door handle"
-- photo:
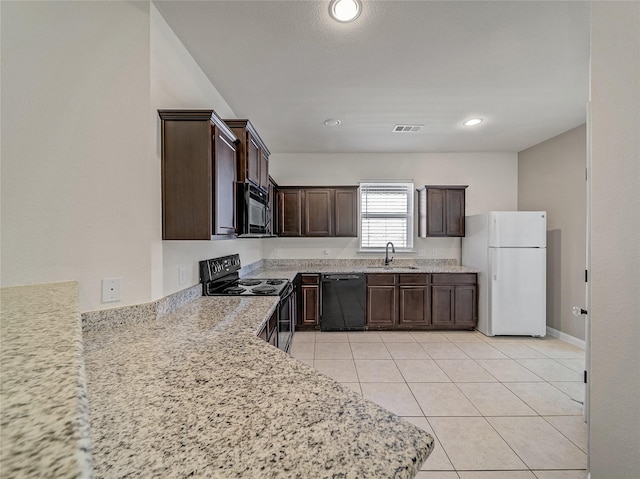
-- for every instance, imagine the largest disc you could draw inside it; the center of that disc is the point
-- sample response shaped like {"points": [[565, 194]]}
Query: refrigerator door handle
{"points": [[495, 264]]}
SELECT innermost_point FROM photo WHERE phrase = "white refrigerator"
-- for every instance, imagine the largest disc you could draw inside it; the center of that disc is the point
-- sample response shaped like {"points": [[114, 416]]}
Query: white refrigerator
{"points": [[509, 250]]}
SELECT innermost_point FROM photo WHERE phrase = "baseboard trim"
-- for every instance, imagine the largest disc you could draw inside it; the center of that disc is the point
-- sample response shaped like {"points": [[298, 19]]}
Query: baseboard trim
{"points": [[566, 337]]}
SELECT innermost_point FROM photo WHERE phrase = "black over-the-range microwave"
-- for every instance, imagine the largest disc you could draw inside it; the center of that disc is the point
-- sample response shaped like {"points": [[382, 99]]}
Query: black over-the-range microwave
{"points": [[254, 215]]}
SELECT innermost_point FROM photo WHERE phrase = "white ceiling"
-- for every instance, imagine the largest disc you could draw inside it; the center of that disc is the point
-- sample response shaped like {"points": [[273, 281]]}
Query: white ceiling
{"points": [[285, 65]]}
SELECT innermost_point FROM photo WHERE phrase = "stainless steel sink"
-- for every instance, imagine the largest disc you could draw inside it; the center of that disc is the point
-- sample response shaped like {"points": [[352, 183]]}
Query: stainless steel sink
{"points": [[389, 268]]}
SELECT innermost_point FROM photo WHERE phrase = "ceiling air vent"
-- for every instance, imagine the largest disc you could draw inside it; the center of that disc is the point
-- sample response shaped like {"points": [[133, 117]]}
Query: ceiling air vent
{"points": [[407, 128]]}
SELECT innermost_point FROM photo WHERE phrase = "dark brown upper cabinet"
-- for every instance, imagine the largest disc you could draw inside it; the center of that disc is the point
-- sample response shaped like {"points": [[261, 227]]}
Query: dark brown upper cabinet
{"points": [[253, 155], [318, 211], [199, 164], [441, 210], [346, 212], [289, 212]]}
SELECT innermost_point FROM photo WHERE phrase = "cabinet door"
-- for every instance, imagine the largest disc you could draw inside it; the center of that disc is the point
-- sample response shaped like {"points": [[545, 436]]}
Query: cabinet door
{"points": [[186, 180], [264, 170], [436, 220], [290, 213], [382, 306], [346, 212], [253, 160], [454, 201], [442, 305], [317, 212], [224, 190], [465, 312], [441, 210], [414, 305], [310, 305]]}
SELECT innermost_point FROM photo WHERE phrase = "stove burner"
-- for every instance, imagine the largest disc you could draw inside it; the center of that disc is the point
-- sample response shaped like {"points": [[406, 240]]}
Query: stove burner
{"points": [[275, 282], [249, 282], [234, 290], [263, 290]]}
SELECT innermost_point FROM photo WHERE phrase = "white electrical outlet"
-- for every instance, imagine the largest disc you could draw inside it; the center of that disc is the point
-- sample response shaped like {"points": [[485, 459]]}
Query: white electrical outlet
{"points": [[434, 253], [111, 290], [182, 275], [422, 252], [325, 252]]}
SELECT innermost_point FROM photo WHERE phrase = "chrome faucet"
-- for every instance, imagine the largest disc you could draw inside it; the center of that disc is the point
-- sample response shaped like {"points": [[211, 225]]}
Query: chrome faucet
{"points": [[388, 260]]}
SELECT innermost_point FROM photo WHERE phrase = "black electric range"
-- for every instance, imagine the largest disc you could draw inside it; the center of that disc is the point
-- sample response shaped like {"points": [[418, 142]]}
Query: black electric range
{"points": [[219, 277]]}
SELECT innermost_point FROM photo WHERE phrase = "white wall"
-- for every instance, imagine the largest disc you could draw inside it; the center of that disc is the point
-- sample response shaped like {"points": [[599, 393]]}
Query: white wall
{"points": [[551, 177], [81, 199], [492, 180], [178, 82], [77, 196], [614, 430]]}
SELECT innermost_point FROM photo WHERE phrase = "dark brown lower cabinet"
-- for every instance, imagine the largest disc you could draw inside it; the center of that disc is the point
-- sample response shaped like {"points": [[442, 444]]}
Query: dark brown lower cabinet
{"points": [[414, 305], [382, 310], [309, 302], [413, 299], [421, 301], [442, 303], [454, 301], [465, 313]]}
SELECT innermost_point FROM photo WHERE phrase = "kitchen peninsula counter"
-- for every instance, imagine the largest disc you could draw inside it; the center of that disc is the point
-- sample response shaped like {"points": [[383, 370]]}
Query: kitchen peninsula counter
{"points": [[44, 427], [198, 393]]}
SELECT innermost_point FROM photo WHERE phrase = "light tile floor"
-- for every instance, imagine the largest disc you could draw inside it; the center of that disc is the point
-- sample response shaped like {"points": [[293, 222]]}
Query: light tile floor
{"points": [[498, 408]]}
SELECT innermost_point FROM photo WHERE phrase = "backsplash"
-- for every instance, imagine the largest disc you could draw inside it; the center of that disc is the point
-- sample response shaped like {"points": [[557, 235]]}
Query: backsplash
{"points": [[295, 263], [138, 313]]}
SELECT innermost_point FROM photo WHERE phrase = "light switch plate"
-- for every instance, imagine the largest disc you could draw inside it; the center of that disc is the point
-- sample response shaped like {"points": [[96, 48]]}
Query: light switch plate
{"points": [[111, 290]]}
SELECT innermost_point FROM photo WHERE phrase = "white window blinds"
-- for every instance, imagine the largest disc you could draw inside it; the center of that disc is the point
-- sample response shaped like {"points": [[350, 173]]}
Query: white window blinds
{"points": [[386, 215]]}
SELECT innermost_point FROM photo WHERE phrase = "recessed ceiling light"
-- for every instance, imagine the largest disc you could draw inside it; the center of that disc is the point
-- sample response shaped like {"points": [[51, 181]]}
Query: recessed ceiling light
{"points": [[472, 122], [345, 10], [332, 122]]}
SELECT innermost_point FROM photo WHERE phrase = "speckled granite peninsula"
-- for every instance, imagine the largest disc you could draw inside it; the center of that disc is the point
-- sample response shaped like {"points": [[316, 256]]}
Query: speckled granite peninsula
{"points": [[44, 422], [196, 393]]}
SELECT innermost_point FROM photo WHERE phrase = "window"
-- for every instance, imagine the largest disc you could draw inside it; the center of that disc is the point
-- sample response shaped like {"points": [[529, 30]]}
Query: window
{"points": [[386, 214]]}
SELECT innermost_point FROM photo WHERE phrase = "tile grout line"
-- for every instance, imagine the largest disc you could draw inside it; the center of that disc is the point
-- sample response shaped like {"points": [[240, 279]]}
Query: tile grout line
{"points": [[475, 360]]}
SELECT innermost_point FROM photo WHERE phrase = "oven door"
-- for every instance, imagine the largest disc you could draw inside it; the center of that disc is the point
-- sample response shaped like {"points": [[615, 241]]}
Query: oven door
{"points": [[286, 317]]}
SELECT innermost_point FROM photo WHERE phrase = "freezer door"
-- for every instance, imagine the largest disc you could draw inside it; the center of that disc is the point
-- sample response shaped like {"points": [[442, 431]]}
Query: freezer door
{"points": [[517, 229], [517, 282]]}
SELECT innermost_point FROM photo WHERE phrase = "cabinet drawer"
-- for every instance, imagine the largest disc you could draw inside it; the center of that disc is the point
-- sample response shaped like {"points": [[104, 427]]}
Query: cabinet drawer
{"points": [[381, 279], [413, 278], [310, 279], [454, 278]]}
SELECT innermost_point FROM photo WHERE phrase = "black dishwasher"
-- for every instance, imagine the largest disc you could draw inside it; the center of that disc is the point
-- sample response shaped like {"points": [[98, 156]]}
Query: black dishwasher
{"points": [[343, 297]]}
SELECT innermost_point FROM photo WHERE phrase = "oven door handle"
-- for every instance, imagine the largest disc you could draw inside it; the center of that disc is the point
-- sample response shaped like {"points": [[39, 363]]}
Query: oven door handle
{"points": [[286, 292]]}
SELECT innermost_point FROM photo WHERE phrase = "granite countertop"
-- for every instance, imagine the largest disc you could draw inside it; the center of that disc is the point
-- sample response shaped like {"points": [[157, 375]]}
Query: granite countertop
{"points": [[44, 427], [288, 269], [198, 393]]}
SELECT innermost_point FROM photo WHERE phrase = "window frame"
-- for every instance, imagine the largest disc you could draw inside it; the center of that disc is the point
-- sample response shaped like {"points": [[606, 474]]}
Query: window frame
{"points": [[409, 215]]}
